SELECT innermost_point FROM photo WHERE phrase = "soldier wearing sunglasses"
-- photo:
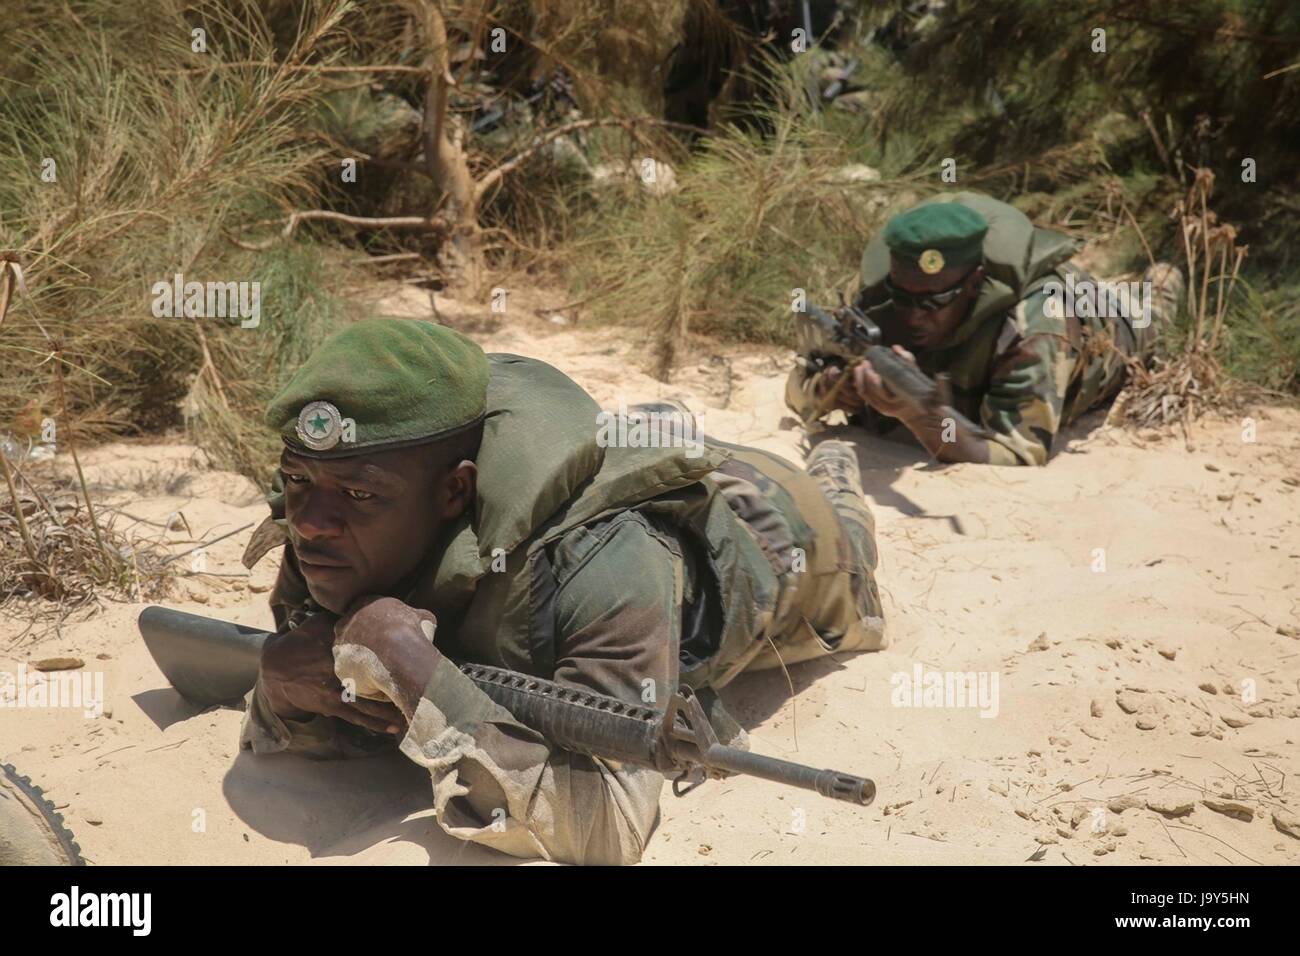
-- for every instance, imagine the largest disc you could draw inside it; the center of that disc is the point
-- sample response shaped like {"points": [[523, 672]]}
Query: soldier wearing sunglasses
{"points": [[968, 288]]}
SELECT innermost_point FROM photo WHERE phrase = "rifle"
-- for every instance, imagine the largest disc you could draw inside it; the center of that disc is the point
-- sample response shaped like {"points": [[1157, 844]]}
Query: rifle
{"points": [[212, 662], [855, 337]]}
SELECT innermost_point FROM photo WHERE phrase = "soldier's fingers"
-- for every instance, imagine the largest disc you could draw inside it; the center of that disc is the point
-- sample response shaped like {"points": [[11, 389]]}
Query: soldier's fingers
{"points": [[377, 708], [380, 725], [898, 349], [866, 379]]}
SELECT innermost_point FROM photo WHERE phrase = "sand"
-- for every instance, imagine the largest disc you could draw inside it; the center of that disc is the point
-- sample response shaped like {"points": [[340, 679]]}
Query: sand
{"points": [[1136, 602]]}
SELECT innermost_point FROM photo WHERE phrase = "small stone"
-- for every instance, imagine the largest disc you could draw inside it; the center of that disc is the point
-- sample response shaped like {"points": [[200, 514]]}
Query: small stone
{"points": [[1231, 808], [1025, 810], [108, 710], [1057, 741], [1113, 643], [1228, 689], [1209, 467], [1287, 631], [704, 849], [1234, 721], [1040, 643], [1130, 701], [1170, 806], [258, 588], [1120, 831], [1064, 834], [102, 656], [997, 788], [1167, 651], [58, 664], [1081, 813], [1097, 707], [1146, 722], [1120, 804], [93, 818], [1224, 497], [1207, 687], [1287, 822]]}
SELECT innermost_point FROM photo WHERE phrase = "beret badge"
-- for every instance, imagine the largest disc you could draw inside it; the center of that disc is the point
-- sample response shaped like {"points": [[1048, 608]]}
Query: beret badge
{"points": [[320, 426], [931, 261]]}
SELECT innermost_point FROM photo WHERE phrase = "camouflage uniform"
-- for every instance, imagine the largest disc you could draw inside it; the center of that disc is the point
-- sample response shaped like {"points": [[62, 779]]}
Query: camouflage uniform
{"points": [[1018, 366], [624, 572]]}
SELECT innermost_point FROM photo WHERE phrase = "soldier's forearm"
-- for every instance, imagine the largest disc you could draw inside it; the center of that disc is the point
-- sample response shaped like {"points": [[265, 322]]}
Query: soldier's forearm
{"points": [[948, 436], [801, 391], [498, 783]]}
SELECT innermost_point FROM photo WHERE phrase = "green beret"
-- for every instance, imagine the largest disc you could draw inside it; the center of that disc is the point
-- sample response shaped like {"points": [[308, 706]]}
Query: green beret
{"points": [[937, 235], [381, 384]]}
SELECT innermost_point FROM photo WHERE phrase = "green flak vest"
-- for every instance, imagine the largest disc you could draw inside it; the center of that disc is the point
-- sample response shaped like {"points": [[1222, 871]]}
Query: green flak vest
{"points": [[541, 474]]}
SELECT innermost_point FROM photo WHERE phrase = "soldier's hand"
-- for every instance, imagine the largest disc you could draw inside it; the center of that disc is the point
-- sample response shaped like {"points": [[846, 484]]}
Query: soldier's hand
{"points": [[401, 637], [873, 391], [847, 399], [297, 676]]}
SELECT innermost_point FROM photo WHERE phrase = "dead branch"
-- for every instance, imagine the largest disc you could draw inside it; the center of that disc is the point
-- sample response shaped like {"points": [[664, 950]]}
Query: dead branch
{"points": [[372, 222]]}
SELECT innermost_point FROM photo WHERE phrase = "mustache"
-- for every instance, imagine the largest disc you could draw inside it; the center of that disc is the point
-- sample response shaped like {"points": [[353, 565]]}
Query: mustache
{"points": [[320, 556]]}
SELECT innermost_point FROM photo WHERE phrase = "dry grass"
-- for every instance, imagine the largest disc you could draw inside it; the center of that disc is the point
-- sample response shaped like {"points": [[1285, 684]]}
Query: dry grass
{"points": [[61, 557], [1182, 384]]}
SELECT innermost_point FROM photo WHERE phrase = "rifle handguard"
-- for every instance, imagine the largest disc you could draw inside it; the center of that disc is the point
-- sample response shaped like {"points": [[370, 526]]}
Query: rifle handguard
{"points": [[679, 739]]}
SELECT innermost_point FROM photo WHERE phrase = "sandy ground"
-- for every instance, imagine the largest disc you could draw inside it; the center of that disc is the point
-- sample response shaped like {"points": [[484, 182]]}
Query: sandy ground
{"points": [[1136, 602]]}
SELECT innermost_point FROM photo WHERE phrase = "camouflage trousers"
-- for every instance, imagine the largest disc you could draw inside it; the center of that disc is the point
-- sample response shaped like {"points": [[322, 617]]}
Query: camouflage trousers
{"points": [[829, 603], [1134, 339], [819, 536]]}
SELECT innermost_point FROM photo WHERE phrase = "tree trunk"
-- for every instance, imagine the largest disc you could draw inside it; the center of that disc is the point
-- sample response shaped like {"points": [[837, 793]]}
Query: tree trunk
{"points": [[446, 161]]}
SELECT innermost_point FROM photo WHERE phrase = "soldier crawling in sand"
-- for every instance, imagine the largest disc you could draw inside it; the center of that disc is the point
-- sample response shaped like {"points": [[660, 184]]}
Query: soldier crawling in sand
{"points": [[471, 514], [969, 291]]}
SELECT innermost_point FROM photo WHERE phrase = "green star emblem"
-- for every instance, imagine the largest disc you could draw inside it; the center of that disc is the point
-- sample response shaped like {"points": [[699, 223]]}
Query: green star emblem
{"points": [[319, 425]]}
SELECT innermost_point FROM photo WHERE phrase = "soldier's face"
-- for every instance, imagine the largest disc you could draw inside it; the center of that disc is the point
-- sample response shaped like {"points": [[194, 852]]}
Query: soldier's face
{"points": [[917, 322], [360, 526]]}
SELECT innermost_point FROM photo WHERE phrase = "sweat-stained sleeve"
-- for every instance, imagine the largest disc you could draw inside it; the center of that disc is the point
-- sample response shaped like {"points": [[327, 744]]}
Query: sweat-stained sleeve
{"points": [[1031, 376], [495, 782]]}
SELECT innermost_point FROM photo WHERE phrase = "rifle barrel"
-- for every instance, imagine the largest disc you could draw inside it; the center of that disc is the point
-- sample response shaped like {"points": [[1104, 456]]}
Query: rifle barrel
{"points": [[829, 783]]}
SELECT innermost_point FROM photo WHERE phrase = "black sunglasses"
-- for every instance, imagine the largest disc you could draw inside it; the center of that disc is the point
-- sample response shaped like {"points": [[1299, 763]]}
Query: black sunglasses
{"points": [[931, 302]]}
